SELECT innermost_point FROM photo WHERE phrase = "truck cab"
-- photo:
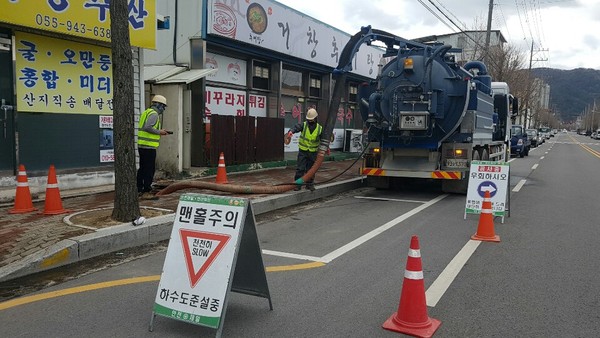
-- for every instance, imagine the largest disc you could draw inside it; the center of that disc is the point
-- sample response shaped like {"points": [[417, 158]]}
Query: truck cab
{"points": [[519, 141]]}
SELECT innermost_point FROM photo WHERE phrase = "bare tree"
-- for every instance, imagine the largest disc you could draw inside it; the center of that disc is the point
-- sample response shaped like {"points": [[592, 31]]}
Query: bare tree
{"points": [[506, 63], [126, 204]]}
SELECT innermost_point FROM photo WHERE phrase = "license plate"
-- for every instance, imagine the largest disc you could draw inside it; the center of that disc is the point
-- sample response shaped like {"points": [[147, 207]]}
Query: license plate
{"points": [[456, 163]]}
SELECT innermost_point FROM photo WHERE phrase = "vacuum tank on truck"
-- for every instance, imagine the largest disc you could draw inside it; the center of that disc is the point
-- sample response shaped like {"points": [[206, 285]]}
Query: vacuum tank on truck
{"points": [[427, 117]]}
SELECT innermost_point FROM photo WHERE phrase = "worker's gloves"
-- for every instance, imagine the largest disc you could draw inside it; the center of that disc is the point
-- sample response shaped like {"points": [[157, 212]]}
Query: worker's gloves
{"points": [[287, 138]]}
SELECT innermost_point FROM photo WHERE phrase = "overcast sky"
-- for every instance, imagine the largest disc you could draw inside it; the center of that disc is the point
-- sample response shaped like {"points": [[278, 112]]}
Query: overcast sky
{"points": [[565, 33]]}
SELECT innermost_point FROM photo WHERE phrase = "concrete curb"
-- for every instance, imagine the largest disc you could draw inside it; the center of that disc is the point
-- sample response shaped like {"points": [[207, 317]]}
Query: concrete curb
{"points": [[155, 229]]}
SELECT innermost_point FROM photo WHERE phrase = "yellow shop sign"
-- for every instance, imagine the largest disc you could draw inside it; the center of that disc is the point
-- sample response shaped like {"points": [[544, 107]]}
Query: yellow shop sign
{"points": [[84, 18]]}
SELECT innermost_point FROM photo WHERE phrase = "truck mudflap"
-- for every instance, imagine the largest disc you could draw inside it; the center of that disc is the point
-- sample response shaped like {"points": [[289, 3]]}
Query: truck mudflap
{"points": [[437, 174]]}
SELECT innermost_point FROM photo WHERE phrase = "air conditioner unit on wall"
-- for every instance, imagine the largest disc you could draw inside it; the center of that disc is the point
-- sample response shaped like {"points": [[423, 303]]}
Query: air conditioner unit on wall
{"points": [[353, 141]]}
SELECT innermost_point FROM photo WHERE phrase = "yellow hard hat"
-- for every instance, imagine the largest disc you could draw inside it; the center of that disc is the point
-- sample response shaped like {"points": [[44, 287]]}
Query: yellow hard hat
{"points": [[159, 99], [311, 114]]}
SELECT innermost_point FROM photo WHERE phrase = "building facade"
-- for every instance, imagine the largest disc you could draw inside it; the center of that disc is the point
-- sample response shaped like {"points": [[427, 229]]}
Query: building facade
{"points": [[256, 58], [471, 44], [56, 89], [211, 57], [538, 115]]}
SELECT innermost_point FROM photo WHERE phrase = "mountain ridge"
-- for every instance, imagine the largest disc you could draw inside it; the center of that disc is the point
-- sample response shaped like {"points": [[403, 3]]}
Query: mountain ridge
{"points": [[571, 91]]}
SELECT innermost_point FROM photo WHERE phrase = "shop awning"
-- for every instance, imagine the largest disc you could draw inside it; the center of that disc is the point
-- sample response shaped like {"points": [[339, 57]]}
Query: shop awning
{"points": [[174, 74]]}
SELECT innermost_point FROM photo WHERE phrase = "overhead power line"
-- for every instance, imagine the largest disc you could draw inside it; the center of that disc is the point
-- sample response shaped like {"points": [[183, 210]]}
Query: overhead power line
{"points": [[459, 28], [464, 26], [437, 16]]}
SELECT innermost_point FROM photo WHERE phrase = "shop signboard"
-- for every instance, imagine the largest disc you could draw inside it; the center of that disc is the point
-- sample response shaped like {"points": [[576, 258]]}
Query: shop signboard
{"points": [[271, 25], [60, 76], [82, 18]]}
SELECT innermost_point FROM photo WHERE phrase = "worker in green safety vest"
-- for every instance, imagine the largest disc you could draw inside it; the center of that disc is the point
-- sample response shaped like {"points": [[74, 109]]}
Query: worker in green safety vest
{"points": [[149, 134], [308, 145]]}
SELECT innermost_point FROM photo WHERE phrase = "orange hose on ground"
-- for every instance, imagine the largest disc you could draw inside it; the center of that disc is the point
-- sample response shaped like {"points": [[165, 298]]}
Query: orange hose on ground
{"points": [[245, 189]]}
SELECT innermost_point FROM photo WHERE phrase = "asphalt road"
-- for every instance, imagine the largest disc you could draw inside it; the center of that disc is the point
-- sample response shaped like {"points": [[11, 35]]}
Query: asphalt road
{"points": [[539, 281]]}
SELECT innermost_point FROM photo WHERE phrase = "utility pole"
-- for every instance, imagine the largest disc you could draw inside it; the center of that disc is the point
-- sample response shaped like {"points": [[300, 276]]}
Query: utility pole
{"points": [[489, 31], [594, 111], [528, 92]]}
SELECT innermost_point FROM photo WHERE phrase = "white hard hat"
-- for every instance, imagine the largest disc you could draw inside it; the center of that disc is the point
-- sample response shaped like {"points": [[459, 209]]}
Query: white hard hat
{"points": [[311, 114], [159, 99]]}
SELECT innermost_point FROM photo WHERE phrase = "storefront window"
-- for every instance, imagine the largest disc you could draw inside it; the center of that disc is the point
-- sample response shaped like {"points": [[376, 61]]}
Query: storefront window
{"points": [[352, 117], [352, 92], [260, 76], [315, 86], [291, 82], [291, 110]]}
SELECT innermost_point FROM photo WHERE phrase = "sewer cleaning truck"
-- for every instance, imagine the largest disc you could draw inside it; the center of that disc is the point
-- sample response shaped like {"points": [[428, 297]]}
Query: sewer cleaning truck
{"points": [[426, 116]]}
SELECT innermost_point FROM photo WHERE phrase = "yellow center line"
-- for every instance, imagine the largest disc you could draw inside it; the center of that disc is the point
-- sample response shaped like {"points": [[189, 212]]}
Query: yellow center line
{"points": [[77, 289], [119, 282], [588, 149], [295, 267]]}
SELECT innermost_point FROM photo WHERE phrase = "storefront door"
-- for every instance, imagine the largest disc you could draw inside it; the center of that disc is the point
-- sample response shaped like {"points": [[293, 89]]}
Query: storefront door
{"points": [[7, 132]]}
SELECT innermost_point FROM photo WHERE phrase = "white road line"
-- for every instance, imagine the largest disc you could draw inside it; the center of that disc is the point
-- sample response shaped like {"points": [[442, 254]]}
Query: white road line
{"points": [[372, 234], [362, 239], [541, 158], [291, 255], [534, 166], [519, 185], [437, 289], [388, 199]]}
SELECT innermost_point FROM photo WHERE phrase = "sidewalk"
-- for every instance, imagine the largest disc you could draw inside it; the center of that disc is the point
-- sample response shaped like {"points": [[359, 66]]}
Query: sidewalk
{"points": [[34, 242]]}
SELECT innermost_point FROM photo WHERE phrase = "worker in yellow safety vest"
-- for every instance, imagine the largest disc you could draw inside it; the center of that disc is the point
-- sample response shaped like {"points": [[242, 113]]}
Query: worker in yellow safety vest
{"points": [[308, 145], [149, 134]]}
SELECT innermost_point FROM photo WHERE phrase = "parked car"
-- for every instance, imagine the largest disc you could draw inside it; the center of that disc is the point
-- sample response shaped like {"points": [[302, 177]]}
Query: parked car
{"points": [[545, 131], [519, 142], [533, 136]]}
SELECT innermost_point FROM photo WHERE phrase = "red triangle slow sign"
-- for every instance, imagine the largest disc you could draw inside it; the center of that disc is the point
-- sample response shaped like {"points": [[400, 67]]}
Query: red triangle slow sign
{"points": [[201, 252]]}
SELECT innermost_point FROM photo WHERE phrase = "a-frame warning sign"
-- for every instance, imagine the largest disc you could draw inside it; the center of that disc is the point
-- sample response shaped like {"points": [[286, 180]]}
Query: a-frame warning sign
{"points": [[210, 236], [200, 250]]}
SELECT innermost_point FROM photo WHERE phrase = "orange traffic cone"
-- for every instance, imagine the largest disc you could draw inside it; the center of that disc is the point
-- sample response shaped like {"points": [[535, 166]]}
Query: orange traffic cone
{"points": [[485, 229], [221, 171], [412, 318], [23, 201], [53, 205]]}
